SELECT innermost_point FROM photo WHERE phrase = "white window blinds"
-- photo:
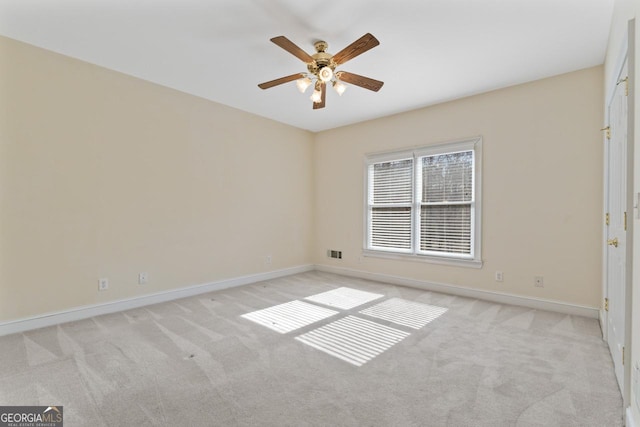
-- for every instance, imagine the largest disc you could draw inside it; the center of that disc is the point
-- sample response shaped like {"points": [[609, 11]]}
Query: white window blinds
{"points": [[447, 197], [424, 202], [390, 204]]}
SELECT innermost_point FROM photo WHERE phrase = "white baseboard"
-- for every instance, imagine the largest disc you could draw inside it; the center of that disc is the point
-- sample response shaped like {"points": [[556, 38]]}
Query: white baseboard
{"points": [[499, 297], [84, 312], [630, 422]]}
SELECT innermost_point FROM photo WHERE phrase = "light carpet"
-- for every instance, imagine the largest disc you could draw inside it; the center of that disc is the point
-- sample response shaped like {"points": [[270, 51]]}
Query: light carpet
{"points": [[203, 361]]}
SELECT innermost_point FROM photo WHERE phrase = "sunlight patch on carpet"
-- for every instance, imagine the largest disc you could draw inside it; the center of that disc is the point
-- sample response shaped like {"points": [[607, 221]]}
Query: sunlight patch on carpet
{"points": [[289, 316], [344, 298], [352, 339], [407, 313]]}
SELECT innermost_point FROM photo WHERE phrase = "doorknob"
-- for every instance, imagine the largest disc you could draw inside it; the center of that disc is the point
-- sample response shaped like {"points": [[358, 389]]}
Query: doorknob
{"points": [[613, 242]]}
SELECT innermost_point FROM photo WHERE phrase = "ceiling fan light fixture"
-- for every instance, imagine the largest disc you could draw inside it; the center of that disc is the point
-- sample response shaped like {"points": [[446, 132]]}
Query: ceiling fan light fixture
{"points": [[325, 74], [316, 96], [303, 84], [339, 87], [321, 68]]}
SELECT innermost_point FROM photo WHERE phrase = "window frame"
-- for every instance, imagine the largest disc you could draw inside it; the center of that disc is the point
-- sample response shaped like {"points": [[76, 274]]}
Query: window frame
{"points": [[474, 259]]}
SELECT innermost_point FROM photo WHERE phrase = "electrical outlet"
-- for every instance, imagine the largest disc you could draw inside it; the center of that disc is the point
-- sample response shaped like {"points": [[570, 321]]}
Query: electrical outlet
{"points": [[143, 278], [103, 284], [538, 281], [267, 260], [499, 276]]}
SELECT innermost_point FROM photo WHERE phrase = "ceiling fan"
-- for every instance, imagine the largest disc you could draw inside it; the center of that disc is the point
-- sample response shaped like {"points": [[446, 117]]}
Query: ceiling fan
{"points": [[321, 68]]}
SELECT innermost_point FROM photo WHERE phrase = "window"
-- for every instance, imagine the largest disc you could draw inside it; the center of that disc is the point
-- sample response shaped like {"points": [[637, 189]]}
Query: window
{"points": [[425, 203]]}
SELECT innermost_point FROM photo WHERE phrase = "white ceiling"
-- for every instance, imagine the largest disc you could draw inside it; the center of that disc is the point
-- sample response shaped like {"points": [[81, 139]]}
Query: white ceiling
{"points": [[430, 50]]}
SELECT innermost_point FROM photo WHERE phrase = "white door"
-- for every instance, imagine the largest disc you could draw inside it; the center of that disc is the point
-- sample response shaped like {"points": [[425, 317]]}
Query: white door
{"points": [[616, 231]]}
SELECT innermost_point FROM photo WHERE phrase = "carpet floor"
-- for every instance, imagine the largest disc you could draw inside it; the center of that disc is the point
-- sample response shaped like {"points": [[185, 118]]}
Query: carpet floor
{"points": [[318, 349]]}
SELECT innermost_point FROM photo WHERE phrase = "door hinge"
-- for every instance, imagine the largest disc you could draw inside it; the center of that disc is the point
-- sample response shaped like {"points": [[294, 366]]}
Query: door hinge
{"points": [[626, 85], [606, 218], [625, 221], [622, 356], [606, 304], [607, 131]]}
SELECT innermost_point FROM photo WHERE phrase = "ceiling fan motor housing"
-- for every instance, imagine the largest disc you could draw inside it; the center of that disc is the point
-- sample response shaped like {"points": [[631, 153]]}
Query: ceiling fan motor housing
{"points": [[321, 58]]}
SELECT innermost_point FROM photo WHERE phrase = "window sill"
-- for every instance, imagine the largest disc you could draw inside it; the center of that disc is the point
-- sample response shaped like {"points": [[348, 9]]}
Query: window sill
{"points": [[454, 262]]}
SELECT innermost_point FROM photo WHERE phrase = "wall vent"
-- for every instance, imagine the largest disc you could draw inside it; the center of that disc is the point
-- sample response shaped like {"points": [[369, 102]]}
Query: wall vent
{"points": [[334, 254]]}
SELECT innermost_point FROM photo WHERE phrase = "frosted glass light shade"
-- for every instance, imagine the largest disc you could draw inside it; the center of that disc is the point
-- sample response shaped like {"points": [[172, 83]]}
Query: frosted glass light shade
{"points": [[303, 84], [325, 74], [339, 87]]}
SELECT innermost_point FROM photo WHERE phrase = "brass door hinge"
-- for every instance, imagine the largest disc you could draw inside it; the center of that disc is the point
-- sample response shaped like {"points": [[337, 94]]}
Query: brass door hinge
{"points": [[607, 131], [626, 85], [606, 218], [606, 304]]}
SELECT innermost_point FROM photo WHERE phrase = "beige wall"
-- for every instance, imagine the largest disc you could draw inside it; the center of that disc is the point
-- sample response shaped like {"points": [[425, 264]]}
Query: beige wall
{"points": [[542, 187], [104, 175], [625, 10]]}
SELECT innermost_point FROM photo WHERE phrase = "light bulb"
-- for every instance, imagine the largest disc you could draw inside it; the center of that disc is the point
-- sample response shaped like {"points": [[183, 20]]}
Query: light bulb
{"points": [[303, 84], [325, 74], [339, 87], [317, 96]]}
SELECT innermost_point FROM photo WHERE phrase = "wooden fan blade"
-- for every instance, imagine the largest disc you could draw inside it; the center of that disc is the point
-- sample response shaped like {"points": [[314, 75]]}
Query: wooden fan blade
{"points": [[292, 48], [323, 91], [356, 48], [358, 80], [281, 80]]}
